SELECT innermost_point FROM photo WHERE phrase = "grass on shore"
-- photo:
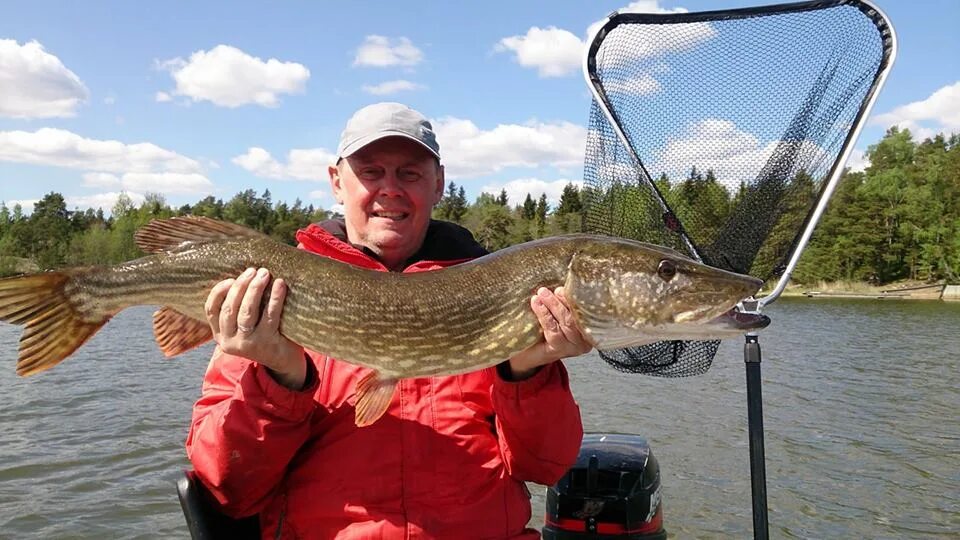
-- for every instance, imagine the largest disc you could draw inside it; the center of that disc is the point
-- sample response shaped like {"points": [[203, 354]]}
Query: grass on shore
{"points": [[11, 266]]}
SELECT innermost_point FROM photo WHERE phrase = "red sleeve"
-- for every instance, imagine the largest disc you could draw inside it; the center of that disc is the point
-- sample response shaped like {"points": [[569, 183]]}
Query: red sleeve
{"points": [[246, 428], [538, 425]]}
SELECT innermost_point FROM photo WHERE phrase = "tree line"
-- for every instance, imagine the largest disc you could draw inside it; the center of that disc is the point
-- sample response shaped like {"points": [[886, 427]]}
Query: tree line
{"points": [[898, 219], [53, 236]]}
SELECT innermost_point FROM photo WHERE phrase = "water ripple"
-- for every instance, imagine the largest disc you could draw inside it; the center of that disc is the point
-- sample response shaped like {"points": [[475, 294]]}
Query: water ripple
{"points": [[860, 405]]}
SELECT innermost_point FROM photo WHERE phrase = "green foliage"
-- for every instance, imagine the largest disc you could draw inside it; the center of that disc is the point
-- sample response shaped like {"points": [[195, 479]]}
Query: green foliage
{"points": [[569, 201], [541, 215], [529, 209], [453, 205], [53, 236], [898, 219]]}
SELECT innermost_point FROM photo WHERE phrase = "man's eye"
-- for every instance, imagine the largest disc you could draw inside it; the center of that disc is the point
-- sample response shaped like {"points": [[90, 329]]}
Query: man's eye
{"points": [[410, 175]]}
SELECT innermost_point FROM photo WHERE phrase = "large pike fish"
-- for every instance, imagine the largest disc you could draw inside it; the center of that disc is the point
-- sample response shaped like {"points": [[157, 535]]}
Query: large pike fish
{"points": [[458, 319]]}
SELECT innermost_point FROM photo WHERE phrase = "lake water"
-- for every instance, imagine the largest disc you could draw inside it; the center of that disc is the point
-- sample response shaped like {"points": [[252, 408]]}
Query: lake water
{"points": [[861, 410]]}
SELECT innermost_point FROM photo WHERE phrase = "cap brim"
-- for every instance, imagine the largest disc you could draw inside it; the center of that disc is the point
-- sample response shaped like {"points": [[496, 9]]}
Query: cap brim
{"points": [[356, 145]]}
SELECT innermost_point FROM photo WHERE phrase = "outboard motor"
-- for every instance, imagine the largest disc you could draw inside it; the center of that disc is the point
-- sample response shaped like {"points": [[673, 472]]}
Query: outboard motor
{"points": [[613, 492]]}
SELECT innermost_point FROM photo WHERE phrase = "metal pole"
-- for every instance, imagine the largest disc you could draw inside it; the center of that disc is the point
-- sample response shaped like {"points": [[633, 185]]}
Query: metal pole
{"points": [[758, 469]]}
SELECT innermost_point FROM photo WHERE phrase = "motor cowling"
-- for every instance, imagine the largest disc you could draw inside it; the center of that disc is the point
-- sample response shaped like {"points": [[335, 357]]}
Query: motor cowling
{"points": [[612, 492]]}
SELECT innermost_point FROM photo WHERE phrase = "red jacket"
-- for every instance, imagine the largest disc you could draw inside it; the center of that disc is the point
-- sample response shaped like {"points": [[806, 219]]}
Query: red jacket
{"points": [[447, 460]]}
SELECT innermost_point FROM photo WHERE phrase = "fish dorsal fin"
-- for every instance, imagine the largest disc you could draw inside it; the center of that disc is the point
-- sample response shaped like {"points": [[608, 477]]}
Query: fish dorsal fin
{"points": [[161, 235], [177, 333]]}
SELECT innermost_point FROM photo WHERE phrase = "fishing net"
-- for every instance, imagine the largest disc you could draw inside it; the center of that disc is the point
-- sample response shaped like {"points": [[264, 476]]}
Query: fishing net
{"points": [[716, 134]]}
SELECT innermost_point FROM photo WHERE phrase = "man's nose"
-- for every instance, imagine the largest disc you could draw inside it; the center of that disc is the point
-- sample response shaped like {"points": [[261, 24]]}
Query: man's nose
{"points": [[391, 185]]}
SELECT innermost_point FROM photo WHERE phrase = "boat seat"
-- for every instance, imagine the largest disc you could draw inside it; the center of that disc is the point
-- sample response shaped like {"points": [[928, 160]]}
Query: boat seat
{"points": [[204, 519]]}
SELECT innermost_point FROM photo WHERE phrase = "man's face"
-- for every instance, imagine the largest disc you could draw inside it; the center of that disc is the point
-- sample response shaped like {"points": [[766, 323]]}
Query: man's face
{"points": [[388, 189]]}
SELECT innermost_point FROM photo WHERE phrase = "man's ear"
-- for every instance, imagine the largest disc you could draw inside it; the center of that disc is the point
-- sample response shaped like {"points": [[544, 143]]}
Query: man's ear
{"points": [[335, 185], [440, 185]]}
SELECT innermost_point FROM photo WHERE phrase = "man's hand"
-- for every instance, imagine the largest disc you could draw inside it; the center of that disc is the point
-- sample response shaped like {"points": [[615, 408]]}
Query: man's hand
{"points": [[561, 336], [233, 311]]}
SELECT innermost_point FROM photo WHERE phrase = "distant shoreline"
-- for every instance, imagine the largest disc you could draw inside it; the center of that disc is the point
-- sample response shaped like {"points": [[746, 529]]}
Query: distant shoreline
{"points": [[901, 290]]}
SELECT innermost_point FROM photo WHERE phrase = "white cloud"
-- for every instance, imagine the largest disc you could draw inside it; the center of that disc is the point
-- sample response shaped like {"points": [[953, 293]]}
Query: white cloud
{"points": [[641, 6], [381, 51], [141, 167], [36, 84], [681, 38], [469, 151], [390, 87], [26, 205], [858, 161], [101, 180], [732, 154], [554, 52], [639, 86], [106, 201], [518, 189], [61, 148], [649, 6], [711, 144], [325, 199], [163, 97], [938, 113], [168, 183], [620, 171], [229, 77], [302, 163]]}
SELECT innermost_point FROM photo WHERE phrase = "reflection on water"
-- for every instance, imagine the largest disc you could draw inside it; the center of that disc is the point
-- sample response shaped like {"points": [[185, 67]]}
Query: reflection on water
{"points": [[860, 405]]}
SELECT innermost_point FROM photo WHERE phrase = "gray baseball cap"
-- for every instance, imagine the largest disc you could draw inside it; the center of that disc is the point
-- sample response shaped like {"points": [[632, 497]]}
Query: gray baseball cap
{"points": [[374, 122]]}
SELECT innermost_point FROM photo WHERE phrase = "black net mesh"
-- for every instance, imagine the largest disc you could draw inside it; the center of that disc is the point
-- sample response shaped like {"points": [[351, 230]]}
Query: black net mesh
{"points": [[735, 121]]}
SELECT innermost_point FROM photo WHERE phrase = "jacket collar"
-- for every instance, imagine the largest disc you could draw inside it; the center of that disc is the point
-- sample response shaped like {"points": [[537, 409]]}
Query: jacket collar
{"points": [[445, 241]]}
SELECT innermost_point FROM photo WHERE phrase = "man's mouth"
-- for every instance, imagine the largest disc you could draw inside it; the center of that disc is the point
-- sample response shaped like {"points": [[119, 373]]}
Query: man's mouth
{"points": [[395, 216]]}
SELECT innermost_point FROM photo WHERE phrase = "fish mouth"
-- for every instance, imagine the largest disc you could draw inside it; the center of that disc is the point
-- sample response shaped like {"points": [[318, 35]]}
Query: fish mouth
{"points": [[737, 321]]}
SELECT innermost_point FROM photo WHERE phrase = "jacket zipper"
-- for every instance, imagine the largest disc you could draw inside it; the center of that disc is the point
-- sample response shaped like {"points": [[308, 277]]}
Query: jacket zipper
{"points": [[283, 514]]}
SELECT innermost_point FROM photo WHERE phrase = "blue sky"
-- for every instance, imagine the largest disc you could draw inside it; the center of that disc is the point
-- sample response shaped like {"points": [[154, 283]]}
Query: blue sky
{"points": [[190, 99]]}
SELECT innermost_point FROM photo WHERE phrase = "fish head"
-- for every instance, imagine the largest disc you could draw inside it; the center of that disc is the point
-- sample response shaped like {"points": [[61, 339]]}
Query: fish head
{"points": [[627, 293]]}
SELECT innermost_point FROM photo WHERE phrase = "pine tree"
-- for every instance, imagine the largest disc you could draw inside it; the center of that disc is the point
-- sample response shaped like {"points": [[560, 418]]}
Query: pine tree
{"points": [[529, 210], [542, 209], [459, 208], [569, 200]]}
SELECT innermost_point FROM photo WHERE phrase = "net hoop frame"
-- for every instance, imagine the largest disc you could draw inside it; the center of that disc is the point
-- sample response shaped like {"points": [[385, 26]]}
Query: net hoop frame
{"points": [[888, 37]]}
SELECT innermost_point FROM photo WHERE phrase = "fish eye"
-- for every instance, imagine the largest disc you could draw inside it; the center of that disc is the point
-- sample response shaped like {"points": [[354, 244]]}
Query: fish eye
{"points": [[666, 270]]}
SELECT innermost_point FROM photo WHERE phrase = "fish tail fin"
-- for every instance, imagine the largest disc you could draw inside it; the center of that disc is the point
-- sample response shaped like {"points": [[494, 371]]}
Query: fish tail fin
{"points": [[53, 328]]}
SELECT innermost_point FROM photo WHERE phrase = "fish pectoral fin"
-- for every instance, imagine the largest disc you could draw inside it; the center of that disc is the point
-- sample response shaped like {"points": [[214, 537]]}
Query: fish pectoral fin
{"points": [[374, 394], [162, 235], [177, 333]]}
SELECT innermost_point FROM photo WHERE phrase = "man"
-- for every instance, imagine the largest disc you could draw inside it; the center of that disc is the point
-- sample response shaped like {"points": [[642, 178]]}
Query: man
{"points": [[273, 432]]}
